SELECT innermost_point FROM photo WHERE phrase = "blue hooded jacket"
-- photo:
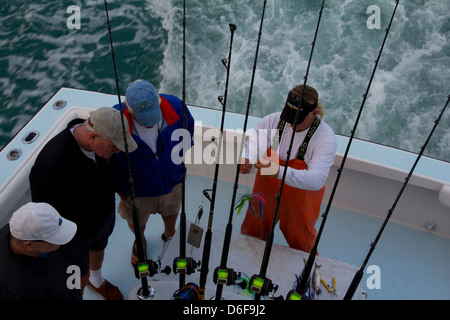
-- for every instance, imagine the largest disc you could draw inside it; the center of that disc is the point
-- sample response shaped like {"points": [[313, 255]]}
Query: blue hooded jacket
{"points": [[154, 174]]}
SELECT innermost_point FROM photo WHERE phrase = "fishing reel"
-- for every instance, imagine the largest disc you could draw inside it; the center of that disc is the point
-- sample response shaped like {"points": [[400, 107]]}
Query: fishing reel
{"points": [[262, 286], [294, 295], [185, 265], [228, 277], [149, 268]]}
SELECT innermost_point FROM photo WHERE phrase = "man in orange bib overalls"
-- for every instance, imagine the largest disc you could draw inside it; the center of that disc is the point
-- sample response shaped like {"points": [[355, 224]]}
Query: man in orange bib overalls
{"points": [[313, 152]]}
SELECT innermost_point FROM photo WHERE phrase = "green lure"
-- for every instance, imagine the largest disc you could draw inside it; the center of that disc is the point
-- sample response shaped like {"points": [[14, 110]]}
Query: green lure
{"points": [[247, 197]]}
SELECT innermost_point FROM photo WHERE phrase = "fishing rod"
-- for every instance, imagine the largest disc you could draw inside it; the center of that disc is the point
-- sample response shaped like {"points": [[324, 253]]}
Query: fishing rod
{"points": [[302, 282], [260, 284], [183, 265], [222, 274], [208, 234], [359, 274], [144, 268]]}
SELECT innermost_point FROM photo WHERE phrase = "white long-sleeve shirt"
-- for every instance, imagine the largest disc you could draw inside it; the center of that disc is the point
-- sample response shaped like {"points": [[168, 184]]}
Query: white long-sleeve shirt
{"points": [[319, 156]]}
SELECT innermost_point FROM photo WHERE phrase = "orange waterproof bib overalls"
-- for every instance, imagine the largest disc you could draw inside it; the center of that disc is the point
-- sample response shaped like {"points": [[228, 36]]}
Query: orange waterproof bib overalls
{"points": [[298, 210]]}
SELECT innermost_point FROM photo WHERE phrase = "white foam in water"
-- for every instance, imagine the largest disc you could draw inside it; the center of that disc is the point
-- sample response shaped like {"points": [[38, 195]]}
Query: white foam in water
{"points": [[410, 87], [410, 73]]}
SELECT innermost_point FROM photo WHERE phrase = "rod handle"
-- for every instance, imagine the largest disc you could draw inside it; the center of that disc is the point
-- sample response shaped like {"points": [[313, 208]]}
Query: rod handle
{"points": [[354, 285]]}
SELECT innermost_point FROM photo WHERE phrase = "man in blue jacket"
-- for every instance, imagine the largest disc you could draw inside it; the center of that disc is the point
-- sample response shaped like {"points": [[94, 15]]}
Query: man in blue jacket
{"points": [[152, 119]]}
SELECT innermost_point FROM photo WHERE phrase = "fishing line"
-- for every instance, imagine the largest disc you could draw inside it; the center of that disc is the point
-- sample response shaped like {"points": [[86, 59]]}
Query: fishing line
{"points": [[260, 284], [136, 222], [208, 235], [183, 265], [308, 267], [143, 268], [222, 274], [359, 274], [183, 178]]}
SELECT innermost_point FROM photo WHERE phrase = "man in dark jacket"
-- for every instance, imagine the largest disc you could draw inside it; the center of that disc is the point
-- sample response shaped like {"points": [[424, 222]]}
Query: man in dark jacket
{"points": [[73, 174], [153, 120], [32, 267]]}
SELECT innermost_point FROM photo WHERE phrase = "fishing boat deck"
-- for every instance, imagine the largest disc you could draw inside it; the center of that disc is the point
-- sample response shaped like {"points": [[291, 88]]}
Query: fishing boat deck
{"points": [[412, 262]]}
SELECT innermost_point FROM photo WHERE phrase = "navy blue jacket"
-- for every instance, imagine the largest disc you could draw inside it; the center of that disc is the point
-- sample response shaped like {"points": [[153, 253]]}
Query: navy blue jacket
{"points": [[154, 174], [27, 278]]}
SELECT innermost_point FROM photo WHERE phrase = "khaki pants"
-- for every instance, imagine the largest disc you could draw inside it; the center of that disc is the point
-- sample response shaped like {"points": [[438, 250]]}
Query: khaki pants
{"points": [[166, 205]]}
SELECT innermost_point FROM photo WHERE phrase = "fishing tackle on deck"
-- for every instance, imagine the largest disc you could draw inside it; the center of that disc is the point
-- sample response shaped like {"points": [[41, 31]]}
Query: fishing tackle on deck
{"points": [[258, 198], [185, 266], [228, 277], [149, 269], [331, 289], [208, 236], [255, 196], [242, 202], [222, 274], [301, 288], [261, 286], [257, 279], [359, 274], [188, 292]]}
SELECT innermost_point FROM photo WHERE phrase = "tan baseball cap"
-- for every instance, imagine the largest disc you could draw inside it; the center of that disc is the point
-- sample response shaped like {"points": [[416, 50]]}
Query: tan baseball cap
{"points": [[108, 122]]}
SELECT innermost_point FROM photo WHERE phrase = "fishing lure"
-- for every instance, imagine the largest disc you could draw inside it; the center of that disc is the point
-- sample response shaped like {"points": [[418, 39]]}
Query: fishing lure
{"points": [[261, 202], [250, 198], [241, 203]]}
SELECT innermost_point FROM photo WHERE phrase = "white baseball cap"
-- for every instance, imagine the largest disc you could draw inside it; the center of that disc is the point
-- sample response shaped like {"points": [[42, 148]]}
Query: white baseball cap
{"points": [[40, 221]]}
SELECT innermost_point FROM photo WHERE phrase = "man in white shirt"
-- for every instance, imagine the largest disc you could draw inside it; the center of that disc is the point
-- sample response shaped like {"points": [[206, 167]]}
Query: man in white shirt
{"points": [[313, 152]]}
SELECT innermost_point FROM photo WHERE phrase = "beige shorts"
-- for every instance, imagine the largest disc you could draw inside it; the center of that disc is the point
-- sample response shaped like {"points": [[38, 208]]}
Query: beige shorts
{"points": [[166, 205]]}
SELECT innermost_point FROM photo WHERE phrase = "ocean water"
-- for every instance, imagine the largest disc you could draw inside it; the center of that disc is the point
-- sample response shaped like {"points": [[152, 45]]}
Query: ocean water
{"points": [[39, 53]]}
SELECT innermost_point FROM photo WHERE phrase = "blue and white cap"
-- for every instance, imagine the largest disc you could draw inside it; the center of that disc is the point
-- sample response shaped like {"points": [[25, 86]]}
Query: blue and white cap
{"points": [[39, 221], [142, 98]]}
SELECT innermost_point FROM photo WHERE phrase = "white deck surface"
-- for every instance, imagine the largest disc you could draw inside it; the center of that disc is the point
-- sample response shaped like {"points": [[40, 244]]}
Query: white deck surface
{"points": [[414, 264]]}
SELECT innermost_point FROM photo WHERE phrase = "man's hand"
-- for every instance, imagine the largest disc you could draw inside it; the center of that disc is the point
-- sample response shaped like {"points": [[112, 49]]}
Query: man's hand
{"points": [[245, 166]]}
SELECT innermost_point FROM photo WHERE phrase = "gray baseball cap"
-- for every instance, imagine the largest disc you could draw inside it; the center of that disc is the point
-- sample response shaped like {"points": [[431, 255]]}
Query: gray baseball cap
{"points": [[108, 122]]}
